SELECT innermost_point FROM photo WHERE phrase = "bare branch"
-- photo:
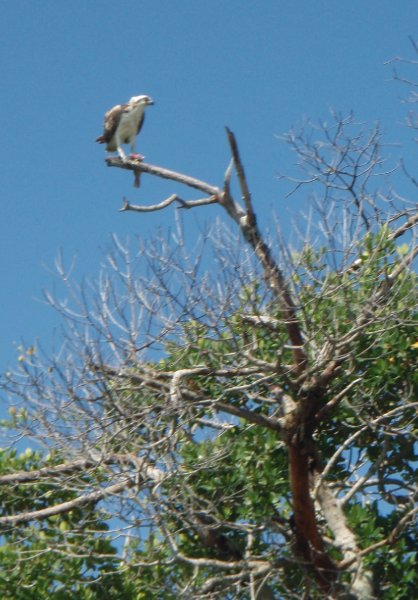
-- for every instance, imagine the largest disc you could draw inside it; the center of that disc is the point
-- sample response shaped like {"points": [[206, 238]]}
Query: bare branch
{"points": [[46, 472], [389, 540], [345, 539], [64, 507], [409, 224], [165, 174], [173, 198], [241, 174]]}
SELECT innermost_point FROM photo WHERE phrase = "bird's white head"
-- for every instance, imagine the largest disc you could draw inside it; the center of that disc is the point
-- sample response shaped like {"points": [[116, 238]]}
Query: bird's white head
{"points": [[138, 100]]}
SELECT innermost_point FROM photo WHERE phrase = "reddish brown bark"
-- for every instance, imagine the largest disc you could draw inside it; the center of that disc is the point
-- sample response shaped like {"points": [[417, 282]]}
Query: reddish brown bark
{"points": [[308, 539]]}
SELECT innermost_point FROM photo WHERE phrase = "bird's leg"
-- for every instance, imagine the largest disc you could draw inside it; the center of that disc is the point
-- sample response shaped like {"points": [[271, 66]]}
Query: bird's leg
{"points": [[134, 155], [119, 148], [121, 153]]}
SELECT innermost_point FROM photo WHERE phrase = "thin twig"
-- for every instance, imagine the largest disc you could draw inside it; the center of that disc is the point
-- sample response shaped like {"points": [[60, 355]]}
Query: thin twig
{"points": [[173, 198]]}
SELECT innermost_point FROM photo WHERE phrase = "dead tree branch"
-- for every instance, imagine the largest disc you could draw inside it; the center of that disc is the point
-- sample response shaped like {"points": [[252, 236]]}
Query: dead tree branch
{"points": [[64, 507]]}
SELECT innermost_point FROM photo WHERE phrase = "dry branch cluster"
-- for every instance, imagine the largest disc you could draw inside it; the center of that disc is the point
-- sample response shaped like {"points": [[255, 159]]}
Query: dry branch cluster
{"points": [[162, 374]]}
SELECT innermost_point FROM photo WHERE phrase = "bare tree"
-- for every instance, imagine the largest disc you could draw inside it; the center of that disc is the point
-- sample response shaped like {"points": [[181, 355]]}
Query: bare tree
{"points": [[229, 404]]}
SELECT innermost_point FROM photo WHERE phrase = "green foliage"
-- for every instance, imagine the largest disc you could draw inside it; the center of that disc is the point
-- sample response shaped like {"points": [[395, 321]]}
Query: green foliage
{"points": [[250, 483], [234, 479], [243, 472], [56, 558]]}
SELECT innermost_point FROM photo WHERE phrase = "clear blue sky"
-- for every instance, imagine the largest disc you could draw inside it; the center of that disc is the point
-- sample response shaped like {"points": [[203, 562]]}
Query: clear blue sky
{"points": [[256, 66]]}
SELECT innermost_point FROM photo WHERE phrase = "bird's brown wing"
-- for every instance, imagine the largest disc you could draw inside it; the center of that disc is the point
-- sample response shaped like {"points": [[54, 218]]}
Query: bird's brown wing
{"points": [[111, 121]]}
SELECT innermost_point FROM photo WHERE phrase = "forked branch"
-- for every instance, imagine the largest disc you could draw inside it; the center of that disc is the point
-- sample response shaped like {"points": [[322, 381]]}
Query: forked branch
{"points": [[245, 219]]}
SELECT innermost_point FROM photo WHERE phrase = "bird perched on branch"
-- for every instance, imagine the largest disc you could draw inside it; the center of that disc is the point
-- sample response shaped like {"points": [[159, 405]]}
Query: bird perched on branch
{"points": [[122, 123]]}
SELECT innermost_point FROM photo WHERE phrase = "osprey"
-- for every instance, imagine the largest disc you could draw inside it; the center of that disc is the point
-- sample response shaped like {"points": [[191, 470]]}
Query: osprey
{"points": [[122, 123]]}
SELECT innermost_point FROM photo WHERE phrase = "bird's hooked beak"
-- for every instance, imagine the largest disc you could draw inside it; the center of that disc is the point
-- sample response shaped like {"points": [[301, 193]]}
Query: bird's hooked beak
{"points": [[150, 101]]}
